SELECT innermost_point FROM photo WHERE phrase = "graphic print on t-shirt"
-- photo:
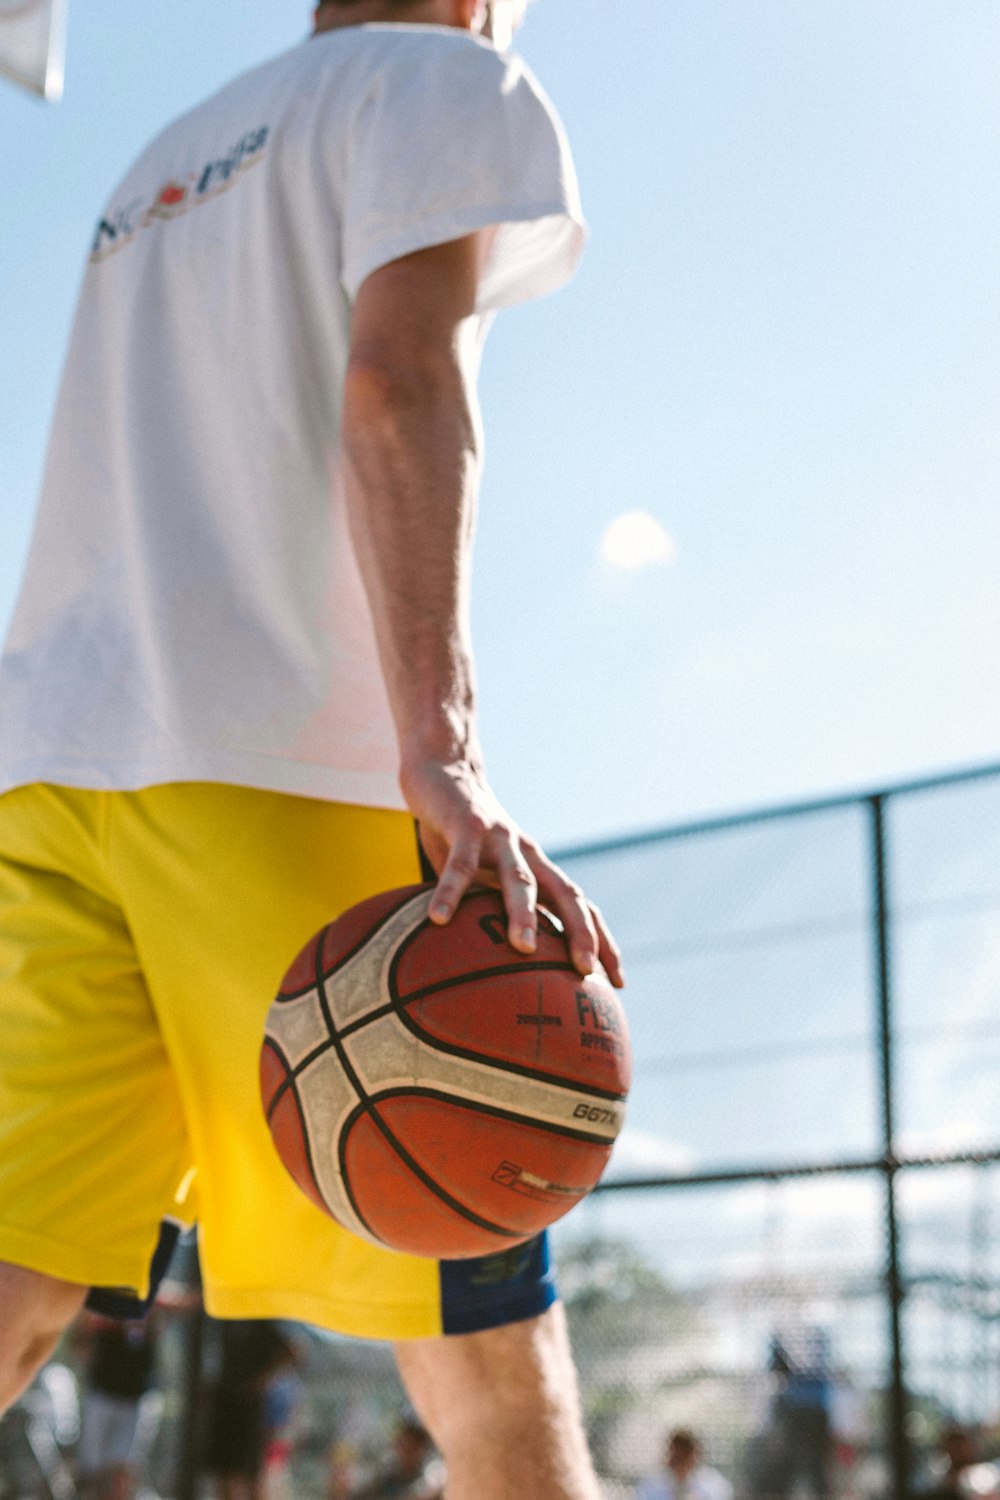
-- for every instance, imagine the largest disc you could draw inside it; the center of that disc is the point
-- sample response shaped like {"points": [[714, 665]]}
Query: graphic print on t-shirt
{"points": [[120, 225]]}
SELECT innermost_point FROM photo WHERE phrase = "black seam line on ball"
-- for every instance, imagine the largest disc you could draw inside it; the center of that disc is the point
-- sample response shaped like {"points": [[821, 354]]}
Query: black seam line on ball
{"points": [[468, 1054], [496, 1111], [285, 1083], [425, 1178], [301, 1067], [288, 1086], [359, 1025], [498, 971], [284, 996], [363, 1105], [525, 965], [331, 1027], [307, 1141], [345, 1181]]}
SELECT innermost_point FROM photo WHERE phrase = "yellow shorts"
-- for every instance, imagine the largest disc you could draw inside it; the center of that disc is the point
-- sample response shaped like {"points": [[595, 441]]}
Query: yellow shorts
{"points": [[142, 938]]}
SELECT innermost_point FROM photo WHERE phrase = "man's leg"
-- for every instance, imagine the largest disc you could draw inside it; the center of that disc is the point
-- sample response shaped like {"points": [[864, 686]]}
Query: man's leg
{"points": [[504, 1410], [34, 1311]]}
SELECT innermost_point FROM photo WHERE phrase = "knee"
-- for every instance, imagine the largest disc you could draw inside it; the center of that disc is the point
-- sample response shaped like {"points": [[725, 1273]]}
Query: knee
{"points": [[20, 1363], [504, 1404], [34, 1312], [521, 1374]]}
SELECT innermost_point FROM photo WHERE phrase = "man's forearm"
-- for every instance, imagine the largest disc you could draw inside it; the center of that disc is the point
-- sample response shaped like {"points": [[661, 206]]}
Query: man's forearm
{"points": [[411, 437]]}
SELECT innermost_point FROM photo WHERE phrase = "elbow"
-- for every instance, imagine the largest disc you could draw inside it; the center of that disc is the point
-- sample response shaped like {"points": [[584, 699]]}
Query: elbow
{"points": [[380, 386]]}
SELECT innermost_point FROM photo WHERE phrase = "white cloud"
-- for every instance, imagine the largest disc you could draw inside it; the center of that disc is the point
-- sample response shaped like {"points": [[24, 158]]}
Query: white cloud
{"points": [[641, 1153], [636, 540]]}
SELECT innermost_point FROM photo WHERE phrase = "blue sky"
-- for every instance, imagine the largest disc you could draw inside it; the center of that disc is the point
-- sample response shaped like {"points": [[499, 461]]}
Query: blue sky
{"points": [[783, 345]]}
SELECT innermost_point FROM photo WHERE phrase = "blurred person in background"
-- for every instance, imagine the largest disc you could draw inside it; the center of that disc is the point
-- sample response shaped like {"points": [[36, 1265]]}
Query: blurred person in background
{"points": [[796, 1447], [414, 1472], [283, 1397], [252, 1352], [957, 1471], [119, 1370], [684, 1476]]}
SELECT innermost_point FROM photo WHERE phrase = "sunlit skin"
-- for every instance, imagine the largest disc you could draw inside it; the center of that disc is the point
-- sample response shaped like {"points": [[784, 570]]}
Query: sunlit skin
{"points": [[499, 20]]}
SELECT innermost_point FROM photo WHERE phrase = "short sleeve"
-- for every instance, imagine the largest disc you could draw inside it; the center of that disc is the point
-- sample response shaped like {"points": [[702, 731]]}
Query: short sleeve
{"points": [[452, 137]]}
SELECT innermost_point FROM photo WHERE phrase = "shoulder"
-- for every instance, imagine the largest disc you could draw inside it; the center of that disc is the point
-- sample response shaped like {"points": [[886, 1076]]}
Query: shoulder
{"points": [[221, 120], [449, 64]]}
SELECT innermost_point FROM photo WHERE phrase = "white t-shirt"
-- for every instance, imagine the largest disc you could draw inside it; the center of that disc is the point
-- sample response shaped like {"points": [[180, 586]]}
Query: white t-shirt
{"points": [[191, 608], [703, 1484]]}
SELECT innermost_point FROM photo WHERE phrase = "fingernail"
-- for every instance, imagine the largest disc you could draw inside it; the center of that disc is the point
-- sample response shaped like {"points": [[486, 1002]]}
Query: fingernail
{"points": [[587, 961], [527, 937], [441, 911]]}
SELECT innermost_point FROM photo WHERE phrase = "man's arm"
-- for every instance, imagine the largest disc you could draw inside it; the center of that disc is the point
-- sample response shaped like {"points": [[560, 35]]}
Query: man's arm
{"points": [[411, 436]]}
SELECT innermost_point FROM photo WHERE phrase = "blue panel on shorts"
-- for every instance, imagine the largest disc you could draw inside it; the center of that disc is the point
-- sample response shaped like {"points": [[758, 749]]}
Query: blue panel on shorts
{"points": [[497, 1289], [119, 1302]]}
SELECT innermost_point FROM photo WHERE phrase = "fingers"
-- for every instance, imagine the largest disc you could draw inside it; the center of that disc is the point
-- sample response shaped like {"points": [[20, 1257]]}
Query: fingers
{"points": [[458, 874], [496, 851], [609, 951], [588, 935], [520, 896]]}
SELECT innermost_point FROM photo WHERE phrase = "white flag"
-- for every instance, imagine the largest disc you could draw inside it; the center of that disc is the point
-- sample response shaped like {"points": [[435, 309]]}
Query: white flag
{"points": [[32, 36]]}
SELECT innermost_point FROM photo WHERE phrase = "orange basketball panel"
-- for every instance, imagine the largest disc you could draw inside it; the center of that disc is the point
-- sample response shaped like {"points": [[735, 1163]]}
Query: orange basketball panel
{"points": [[354, 926], [474, 940], [301, 973], [290, 1139], [402, 1210], [547, 1021], [273, 1072], [342, 937], [511, 1173]]}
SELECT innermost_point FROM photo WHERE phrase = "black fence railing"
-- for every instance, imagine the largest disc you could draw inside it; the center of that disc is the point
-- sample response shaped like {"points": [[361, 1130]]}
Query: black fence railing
{"points": [[816, 996]]}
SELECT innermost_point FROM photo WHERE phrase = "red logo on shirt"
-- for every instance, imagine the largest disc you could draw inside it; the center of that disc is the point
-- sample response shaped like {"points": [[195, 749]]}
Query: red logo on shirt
{"points": [[169, 201], [171, 195]]}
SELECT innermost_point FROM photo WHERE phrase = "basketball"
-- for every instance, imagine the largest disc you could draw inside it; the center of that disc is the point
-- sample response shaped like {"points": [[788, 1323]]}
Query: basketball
{"points": [[432, 1089]]}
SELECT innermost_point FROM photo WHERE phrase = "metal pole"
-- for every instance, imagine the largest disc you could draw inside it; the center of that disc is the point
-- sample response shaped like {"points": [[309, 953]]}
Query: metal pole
{"points": [[186, 1474], [899, 1448]]}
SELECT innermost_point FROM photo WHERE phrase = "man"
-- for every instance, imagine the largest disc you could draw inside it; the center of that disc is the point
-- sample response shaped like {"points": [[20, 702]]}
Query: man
{"points": [[238, 671], [119, 1374], [684, 1476], [801, 1436], [414, 1471], [252, 1353]]}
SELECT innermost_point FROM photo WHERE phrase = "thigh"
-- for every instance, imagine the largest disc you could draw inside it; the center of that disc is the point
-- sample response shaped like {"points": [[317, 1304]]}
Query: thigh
{"points": [[92, 1141]]}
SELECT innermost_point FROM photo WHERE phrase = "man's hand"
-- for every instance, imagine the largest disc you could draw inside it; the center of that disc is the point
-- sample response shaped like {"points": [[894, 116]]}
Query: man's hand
{"points": [[471, 840]]}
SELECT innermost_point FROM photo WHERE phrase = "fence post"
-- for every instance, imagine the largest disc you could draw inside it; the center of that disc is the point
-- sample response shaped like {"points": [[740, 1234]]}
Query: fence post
{"points": [[899, 1448], [185, 1486]]}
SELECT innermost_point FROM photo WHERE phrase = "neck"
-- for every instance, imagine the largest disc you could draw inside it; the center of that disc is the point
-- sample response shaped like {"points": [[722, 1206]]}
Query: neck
{"points": [[330, 16]]}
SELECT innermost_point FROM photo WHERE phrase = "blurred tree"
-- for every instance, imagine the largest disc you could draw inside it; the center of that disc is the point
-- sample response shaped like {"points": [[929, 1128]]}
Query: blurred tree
{"points": [[627, 1324]]}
